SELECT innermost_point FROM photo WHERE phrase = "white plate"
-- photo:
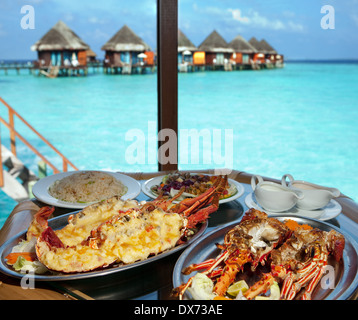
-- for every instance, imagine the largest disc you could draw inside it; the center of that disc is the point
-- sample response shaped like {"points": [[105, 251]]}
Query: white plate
{"points": [[40, 189], [332, 210], [157, 180]]}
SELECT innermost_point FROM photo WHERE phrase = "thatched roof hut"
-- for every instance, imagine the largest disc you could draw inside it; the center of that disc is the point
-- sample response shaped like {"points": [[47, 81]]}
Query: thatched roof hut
{"points": [[91, 55], [263, 50], [125, 40], [244, 52], [215, 43], [217, 50], [262, 46], [125, 50], [61, 47], [239, 44], [60, 37], [186, 51], [255, 43], [184, 44], [266, 48]]}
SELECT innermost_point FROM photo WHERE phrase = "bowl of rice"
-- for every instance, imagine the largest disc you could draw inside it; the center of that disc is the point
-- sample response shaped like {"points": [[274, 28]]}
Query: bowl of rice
{"points": [[87, 187]]}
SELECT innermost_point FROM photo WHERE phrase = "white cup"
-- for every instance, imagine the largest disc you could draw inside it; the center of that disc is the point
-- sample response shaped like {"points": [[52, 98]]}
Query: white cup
{"points": [[273, 196], [315, 196]]}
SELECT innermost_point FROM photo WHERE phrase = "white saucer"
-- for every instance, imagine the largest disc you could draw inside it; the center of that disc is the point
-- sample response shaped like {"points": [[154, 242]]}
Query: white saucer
{"points": [[332, 210]]}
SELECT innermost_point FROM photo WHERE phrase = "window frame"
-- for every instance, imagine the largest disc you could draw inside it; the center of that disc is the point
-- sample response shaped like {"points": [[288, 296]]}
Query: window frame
{"points": [[167, 76]]}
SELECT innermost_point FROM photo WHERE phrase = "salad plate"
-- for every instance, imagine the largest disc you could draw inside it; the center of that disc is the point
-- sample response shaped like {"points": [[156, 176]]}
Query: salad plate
{"points": [[41, 189], [236, 188]]}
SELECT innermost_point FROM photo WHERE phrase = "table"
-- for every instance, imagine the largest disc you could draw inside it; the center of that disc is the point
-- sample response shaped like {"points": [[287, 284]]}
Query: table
{"points": [[151, 281]]}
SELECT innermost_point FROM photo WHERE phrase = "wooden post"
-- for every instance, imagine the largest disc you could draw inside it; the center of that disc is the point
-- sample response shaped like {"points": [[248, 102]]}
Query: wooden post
{"points": [[167, 46], [64, 165], [12, 132], [42, 167]]}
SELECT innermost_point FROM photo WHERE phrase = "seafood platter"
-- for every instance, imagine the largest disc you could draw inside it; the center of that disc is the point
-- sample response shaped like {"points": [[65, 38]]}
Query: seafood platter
{"points": [[108, 236], [258, 257], [269, 258], [194, 184]]}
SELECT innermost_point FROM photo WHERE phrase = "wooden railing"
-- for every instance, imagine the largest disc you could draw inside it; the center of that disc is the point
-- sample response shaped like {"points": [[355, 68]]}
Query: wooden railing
{"points": [[14, 134]]}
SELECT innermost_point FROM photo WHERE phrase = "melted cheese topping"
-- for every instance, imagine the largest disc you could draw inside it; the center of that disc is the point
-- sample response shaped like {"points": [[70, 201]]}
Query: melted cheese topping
{"points": [[143, 236], [73, 259], [127, 238], [81, 224]]}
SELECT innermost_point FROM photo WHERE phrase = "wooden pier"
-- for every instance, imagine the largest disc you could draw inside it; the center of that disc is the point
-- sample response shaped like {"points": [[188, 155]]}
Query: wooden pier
{"points": [[52, 71], [100, 66], [17, 66]]}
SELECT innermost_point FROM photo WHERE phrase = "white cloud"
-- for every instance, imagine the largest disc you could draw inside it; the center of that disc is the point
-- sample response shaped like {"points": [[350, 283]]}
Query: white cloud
{"points": [[261, 21], [236, 14], [295, 26], [255, 19]]}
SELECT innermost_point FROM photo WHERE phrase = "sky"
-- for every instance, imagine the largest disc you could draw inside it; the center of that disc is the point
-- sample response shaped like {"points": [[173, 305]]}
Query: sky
{"points": [[292, 27]]}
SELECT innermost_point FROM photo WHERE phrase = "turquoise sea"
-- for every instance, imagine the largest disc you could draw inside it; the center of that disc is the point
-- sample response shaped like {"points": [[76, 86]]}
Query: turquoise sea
{"points": [[301, 119]]}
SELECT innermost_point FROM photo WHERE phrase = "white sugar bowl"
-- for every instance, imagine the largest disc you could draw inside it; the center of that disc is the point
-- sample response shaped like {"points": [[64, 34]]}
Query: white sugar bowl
{"points": [[274, 197], [315, 196]]}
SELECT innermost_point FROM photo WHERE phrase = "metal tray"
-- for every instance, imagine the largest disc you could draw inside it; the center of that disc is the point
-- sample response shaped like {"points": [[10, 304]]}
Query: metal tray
{"points": [[346, 272], [60, 222]]}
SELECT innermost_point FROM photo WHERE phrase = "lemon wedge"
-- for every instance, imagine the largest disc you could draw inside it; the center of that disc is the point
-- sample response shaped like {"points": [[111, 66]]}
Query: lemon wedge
{"points": [[238, 286]]}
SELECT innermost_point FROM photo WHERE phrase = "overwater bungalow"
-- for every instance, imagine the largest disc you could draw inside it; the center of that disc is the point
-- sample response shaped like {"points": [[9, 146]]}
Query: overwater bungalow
{"points": [[61, 52], [266, 55], [186, 51], [244, 53], [126, 52], [259, 57], [271, 55], [217, 52], [91, 56]]}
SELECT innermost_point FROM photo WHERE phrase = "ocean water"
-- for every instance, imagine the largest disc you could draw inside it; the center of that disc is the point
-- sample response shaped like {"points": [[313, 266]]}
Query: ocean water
{"points": [[301, 120]]}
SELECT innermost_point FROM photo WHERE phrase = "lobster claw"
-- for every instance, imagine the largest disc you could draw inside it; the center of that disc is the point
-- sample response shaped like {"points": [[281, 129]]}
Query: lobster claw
{"points": [[204, 213]]}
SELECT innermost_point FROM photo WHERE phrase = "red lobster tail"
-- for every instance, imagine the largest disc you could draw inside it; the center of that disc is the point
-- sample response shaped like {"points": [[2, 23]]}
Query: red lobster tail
{"points": [[50, 237], [43, 214]]}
